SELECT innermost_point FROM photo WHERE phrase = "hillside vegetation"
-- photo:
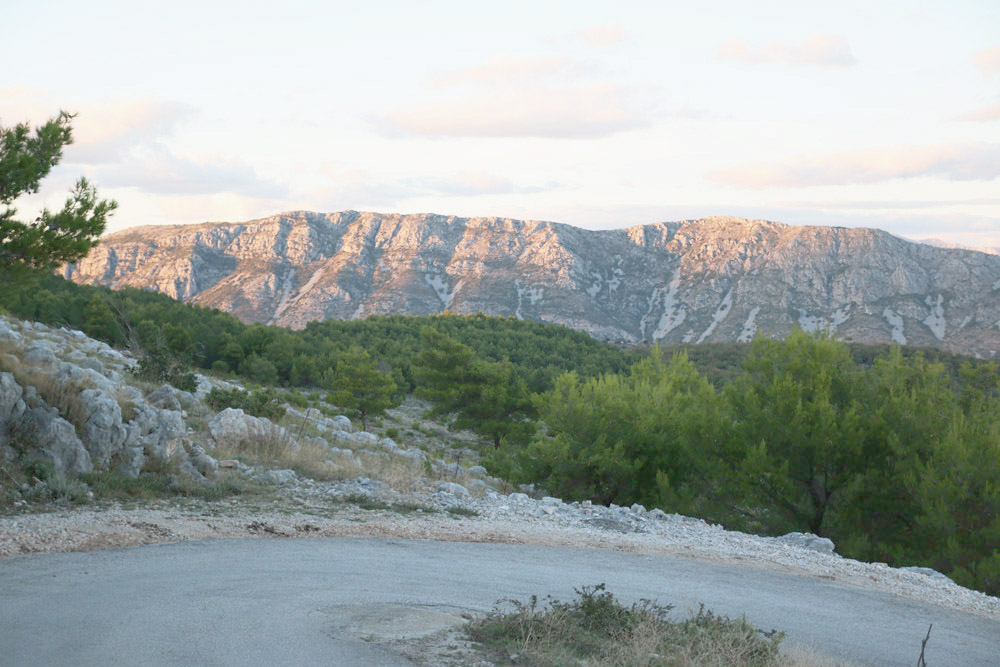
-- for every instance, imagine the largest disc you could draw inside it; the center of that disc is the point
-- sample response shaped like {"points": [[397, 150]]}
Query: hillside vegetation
{"points": [[891, 452]]}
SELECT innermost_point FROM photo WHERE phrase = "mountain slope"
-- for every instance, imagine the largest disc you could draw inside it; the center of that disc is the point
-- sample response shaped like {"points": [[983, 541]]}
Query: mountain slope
{"points": [[716, 279]]}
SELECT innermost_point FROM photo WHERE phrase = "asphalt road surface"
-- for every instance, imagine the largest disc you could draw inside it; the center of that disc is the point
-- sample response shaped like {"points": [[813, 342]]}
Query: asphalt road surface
{"points": [[319, 601]]}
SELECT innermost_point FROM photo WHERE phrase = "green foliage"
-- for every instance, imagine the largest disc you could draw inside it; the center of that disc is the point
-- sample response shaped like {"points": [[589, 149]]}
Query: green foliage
{"points": [[894, 459], [357, 384], [54, 237], [175, 334], [488, 397], [260, 403], [799, 430], [644, 437], [161, 483]]}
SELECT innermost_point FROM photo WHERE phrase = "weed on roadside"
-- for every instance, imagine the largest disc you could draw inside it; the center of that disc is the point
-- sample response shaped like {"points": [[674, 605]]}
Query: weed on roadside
{"points": [[596, 629]]}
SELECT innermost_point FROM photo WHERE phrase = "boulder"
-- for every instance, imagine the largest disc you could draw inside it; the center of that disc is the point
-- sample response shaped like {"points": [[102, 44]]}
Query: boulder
{"points": [[7, 333], [11, 404], [39, 355], [449, 469], [165, 397], [161, 434], [129, 461], [340, 423], [56, 439], [927, 572], [363, 438], [277, 476], [453, 489], [233, 426], [807, 541], [103, 433], [206, 465], [389, 443], [415, 457]]}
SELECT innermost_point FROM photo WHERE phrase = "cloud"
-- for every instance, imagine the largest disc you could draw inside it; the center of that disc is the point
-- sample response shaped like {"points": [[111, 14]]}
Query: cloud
{"points": [[507, 71], [548, 97], [982, 114], [592, 110], [602, 35], [879, 205], [472, 183], [988, 61], [108, 132], [158, 171], [957, 162], [817, 49]]}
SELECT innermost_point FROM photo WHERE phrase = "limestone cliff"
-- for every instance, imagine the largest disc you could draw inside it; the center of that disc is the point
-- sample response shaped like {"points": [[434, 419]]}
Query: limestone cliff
{"points": [[716, 279]]}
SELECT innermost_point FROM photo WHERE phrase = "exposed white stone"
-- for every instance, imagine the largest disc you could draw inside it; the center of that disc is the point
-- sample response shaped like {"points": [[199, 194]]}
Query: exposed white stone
{"points": [[935, 320], [749, 327], [896, 322], [673, 312], [720, 314]]}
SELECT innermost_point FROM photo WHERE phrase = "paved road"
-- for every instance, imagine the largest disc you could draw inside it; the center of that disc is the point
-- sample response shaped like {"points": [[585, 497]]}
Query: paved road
{"points": [[312, 602]]}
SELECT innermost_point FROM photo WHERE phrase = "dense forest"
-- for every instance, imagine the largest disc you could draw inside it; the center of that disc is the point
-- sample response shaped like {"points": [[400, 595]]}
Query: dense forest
{"points": [[891, 452]]}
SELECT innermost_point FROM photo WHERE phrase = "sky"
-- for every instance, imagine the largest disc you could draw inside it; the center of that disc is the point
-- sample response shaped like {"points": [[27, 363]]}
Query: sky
{"points": [[596, 114]]}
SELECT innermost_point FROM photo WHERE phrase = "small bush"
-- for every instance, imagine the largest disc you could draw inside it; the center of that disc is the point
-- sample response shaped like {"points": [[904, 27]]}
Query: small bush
{"points": [[598, 630], [260, 403], [115, 486], [298, 399], [461, 510]]}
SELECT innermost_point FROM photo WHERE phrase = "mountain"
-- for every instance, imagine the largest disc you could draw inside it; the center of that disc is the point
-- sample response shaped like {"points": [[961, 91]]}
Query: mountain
{"points": [[715, 279], [940, 243]]}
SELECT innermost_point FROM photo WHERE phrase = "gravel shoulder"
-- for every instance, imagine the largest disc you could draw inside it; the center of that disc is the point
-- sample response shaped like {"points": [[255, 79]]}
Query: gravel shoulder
{"points": [[365, 508]]}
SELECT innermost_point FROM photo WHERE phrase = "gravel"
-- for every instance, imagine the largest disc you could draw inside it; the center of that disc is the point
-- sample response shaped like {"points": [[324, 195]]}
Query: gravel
{"points": [[305, 508]]}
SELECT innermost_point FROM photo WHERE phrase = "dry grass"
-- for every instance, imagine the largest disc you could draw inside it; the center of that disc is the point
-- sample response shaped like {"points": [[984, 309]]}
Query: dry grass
{"points": [[128, 407], [64, 396], [596, 630], [283, 450], [800, 655]]}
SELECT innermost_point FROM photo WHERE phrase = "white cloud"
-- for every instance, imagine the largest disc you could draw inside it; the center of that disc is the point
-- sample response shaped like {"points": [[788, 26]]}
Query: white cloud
{"points": [[988, 61], [521, 97], [107, 132], [602, 35], [957, 162], [816, 49], [506, 71], [472, 183], [103, 131], [158, 171], [982, 114], [595, 110], [359, 189]]}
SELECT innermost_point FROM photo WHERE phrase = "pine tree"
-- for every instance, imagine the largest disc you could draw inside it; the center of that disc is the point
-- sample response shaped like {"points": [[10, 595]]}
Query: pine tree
{"points": [[356, 383], [53, 237]]}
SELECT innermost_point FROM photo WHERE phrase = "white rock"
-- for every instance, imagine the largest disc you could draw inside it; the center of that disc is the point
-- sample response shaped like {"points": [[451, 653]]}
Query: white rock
{"points": [[277, 476], [807, 541], [453, 488]]}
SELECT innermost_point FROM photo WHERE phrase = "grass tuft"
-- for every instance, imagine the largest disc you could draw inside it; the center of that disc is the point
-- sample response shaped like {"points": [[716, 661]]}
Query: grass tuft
{"points": [[596, 629]]}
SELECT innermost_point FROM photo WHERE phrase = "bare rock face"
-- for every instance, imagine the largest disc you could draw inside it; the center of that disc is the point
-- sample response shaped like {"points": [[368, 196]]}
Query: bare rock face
{"points": [[63, 364], [710, 280]]}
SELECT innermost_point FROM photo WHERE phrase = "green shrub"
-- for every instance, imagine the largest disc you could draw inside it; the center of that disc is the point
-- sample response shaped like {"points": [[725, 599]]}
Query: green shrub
{"points": [[260, 402]]}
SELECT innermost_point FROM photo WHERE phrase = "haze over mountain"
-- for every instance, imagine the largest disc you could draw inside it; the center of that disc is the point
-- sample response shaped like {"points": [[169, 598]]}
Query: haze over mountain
{"points": [[709, 280]]}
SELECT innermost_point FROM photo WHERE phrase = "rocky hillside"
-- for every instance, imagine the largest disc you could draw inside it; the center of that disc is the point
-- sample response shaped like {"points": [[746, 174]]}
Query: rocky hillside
{"points": [[710, 280]]}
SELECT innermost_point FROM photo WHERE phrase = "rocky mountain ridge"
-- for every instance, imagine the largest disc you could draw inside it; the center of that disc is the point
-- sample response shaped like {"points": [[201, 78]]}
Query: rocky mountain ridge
{"points": [[712, 280]]}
